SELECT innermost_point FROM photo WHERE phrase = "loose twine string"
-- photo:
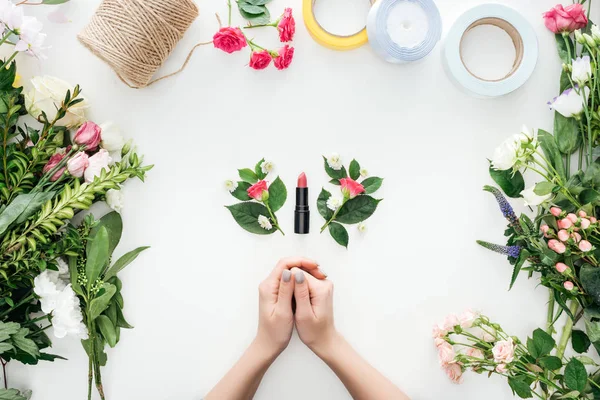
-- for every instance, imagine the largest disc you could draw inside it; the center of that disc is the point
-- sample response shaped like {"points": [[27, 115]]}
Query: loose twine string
{"points": [[135, 37]]}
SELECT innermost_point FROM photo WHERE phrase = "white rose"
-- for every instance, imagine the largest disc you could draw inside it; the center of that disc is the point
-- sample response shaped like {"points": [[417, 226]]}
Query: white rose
{"points": [[47, 95], [570, 103], [97, 163], [582, 70], [531, 198], [114, 199], [112, 140], [505, 155]]}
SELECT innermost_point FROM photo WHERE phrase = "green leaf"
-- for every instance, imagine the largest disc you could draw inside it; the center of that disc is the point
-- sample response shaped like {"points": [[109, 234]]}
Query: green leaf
{"points": [[99, 350], [73, 275], [523, 256], [592, 175], [23, 207], [25, 344], [335, 174], [548, 145], [7, 77], [566, 133], [258, 2], [241, 192], [277, 195], [590, 279], [255, 19], [511, 185], [357, 209], [551, 363], [4, 347], [111, 312], [580, 341], [258, 170], [100, 303], [541, 344], [107, 329], [589, 196], [339, 233], [322, 205], [354, 170], [372, 184], [124, 261], [543, 188], [248, 175], [335, 182], [121, 322], [52, 2], [113, 223], [246, 215], [97, 256], [11, 394], [575, 375], [563, 50], [252, 9], [7, 329], [520, 387]]}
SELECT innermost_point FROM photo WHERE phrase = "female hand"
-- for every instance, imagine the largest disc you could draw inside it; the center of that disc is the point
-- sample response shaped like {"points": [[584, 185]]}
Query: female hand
{"points": [[276, 319]]}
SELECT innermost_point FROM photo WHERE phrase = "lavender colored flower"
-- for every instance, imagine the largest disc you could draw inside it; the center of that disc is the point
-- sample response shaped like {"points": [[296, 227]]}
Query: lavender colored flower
{"points": [[505, 207], [511, 251]]}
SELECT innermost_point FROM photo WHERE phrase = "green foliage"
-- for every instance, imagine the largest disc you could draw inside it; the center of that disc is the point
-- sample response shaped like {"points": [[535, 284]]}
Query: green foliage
{"points": [[372, 184], [511, 183], [246, 215], [241, 192], [575, 375], [14, 394], [339, 234], [580, 341], [333, 173], [541, 344], [354, 170], [520, 387], [277, 195], [254, 11]]}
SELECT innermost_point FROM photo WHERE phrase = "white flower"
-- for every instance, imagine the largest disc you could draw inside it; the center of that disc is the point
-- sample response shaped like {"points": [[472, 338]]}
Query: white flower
{"points": [[267, 166], [570, 102], [596, 33], [264, 222], [97, 163], [517, 148], [11, 16], [47, 95], [582, 70], [31, 40], [362, 227], [335, 161], [48, 286], [532, 199], [364, 173], [66, 317], [114, 199], [231, 185], [334, 202], [112, 140]]}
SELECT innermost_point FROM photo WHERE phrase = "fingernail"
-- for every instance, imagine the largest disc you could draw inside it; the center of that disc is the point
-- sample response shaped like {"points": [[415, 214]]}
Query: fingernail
{"points": [[299, 277], [323, 271], [287, 275]]}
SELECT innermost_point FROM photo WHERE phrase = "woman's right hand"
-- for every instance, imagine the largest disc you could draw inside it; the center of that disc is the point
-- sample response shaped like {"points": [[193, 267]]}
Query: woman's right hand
{"points": [[314, 311]]}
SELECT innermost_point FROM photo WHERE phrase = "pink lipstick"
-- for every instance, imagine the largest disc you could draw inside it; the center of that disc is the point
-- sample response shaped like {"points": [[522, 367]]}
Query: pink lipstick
{"points": [[302, 211]]}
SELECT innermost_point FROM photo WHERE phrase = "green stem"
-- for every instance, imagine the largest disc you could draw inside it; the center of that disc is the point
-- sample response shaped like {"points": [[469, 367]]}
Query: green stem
{"points": [[275, 222], [229, 13], [273, 24], [568, 166], [550, 314], [5, 38], [567, 45], [567, 330], [332, 217], [90, 374], [25, 300], [9, 59]]}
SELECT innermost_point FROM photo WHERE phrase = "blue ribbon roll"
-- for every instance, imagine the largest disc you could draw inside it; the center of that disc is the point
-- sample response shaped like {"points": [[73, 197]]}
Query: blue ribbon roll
{"points": [[402, 31]]}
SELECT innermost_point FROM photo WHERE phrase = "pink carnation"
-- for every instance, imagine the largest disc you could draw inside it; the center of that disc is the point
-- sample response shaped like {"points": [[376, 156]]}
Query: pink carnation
{"points": [[286, 26]]}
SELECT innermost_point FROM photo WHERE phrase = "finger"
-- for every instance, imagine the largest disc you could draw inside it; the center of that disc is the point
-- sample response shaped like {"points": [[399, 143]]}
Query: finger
{"points": [[286, 291], [301, 293], [306, 264]]}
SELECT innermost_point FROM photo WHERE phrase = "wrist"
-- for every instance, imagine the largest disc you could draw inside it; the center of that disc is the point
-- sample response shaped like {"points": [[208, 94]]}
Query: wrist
{"points": [[264, 349], [326, 348]]}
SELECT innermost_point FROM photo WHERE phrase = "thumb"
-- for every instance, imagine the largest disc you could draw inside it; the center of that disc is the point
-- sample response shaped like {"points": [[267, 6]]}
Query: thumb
{"points": [[286, 291], [301, 293]]}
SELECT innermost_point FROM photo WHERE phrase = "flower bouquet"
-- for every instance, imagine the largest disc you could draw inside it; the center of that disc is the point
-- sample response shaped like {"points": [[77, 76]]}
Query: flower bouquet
{"points": [[560, 245]]}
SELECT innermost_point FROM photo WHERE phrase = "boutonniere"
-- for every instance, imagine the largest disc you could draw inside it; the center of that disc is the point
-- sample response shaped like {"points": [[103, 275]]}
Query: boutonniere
{"points": [[353, 204], [260, 200]]}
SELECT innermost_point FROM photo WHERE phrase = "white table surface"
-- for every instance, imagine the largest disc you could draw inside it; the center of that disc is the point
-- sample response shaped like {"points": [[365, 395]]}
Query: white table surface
{"points": [[193, 296]]}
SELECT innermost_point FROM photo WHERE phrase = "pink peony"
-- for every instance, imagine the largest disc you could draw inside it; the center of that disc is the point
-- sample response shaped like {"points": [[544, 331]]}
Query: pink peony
{"points": [[504, 351], [585, 246], [52, 163], [567, 19], [258, 190], [77, 164], [563, 235], [260, 59], [585, 223], [568, 285], [89, 134], [561, 267], [286, 26], [467, 319], [351, 188], [445, 353], [555, 211], [454, 372], [229, 39], [557, 246], [565, 223], [284, 57]]}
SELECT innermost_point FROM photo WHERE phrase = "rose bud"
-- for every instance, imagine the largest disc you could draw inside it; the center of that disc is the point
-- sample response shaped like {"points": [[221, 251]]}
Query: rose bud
{"points": [[561, 267], [77, 164], [555, 211], [557, 246], [89, 135]]}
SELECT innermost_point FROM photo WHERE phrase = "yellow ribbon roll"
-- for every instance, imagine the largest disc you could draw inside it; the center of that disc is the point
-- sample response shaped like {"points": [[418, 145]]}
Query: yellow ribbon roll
{"points": [[330, 40]]}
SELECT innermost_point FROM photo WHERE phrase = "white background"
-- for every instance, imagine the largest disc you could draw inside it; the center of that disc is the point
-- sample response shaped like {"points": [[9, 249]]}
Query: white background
{"points": [[193, 296]]}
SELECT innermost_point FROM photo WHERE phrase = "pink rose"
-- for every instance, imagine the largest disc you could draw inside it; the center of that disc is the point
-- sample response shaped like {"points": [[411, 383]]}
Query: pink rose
{"points": [[582, 214], [438, 332], [584, 245], [576, 236], [438, 342], [545, 229], [77, 164], [52, 163], [286, 26], [260, 59], [557, 246], [565, 223], [88, 134], [445, 353], [475, 353], [96, 164], [585, 223], [561, 267], [258, 190], [567, 19], [555, 211], [454, 372], [229, 39], [572, 217], [568, 285], [563, 235], [504, 351], [351, 188], [450, 322], [467, 318], [501, 369], [284, 57]]}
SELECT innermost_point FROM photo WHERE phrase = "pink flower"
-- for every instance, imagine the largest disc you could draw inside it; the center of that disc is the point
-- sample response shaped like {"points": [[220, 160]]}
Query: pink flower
{"points": [[445, 353], [585, 223], [96, 164], [576, 236], [229, 39], [545, 229], [438, 331], [450, 322], [568, 285], [454, 372], [565, 223], [77, 164], [52, 163], [582, 214], [351, 188], [438, 342], [286, 26], [284, 57], [561, 267], [504, 351], [258, 190], [557, 246], [555, 211], [593, 220], [567, 19], [501, 369], [467, 318], [475, 353], [563, 235], [572, 217], [88, 134], [260, 59], [584, 245]]}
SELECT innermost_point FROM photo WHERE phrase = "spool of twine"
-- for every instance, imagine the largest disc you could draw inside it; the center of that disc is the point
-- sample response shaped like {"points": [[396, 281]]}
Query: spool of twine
{"points": [[135, 37]]}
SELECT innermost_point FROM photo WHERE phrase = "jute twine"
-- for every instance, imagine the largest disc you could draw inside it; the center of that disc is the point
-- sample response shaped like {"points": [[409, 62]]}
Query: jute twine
{"points": [[135, 37]]}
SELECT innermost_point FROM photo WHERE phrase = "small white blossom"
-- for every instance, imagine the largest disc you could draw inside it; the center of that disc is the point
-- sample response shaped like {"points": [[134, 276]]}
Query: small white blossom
{"points": [[11, 16], [31, 40], [335, 161], [112, 140], [570, 102], [532, 199], [517, 148], [114, 199], [362, 227], [334, 202], [582, 70], [264, 222], [364, 173], [596, 33], [231, 185], [267, 166]]}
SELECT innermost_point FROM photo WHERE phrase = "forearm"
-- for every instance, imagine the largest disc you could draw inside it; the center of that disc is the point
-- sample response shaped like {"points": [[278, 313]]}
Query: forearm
{"points": [[362, 380], [242, 381]]}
